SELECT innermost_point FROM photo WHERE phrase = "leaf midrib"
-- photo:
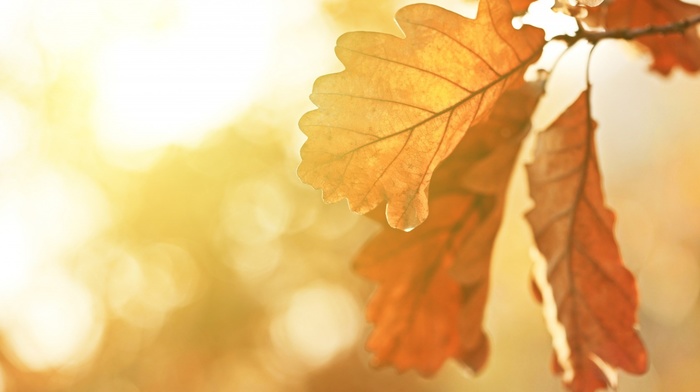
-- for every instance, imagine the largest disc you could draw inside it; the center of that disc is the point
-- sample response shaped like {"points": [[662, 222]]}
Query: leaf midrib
{"points": [[459, 103]]}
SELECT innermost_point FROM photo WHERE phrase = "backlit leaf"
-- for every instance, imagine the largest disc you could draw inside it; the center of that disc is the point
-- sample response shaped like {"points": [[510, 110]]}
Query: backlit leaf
{"points": [[584, 282], [433, 281], [668, 50], [520, 6], [403, 104]]}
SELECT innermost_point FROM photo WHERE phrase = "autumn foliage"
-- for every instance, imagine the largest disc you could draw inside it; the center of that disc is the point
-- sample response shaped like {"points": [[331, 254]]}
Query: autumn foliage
{"points": [[422, 132]]}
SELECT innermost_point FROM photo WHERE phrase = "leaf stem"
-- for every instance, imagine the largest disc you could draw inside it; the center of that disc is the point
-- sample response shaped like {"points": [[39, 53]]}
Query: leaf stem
{"points": [[588, 73], [629, 34]]}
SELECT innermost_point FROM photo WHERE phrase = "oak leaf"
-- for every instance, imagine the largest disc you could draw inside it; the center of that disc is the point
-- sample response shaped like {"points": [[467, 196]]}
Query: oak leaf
{"points": [[433, 281], [520, 6], [403, 104], [668, 50], [584, 282]]}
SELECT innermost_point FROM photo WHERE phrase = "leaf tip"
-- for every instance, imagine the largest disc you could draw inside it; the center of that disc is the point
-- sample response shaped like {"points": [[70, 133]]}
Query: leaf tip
{"points": [[474, 358], [409, 212]]}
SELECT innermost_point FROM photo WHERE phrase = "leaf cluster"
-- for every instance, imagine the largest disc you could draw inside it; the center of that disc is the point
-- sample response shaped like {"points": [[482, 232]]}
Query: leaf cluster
{"points": [[433, 122]]}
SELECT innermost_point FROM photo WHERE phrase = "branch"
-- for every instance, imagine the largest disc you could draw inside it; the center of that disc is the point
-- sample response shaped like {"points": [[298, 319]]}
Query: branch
{"points": [[629, 34]]}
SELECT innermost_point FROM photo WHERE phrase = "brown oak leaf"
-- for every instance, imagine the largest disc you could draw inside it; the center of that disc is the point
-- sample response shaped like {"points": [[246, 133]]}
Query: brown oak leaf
{"points": [[583, 283], [433, 281], [403, 104], [668, 50]]}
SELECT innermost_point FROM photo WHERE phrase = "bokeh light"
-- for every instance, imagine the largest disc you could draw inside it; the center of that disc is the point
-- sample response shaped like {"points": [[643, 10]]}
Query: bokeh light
{"points": [[669, 283], [54, 323], [35, 205], [320, 321]]}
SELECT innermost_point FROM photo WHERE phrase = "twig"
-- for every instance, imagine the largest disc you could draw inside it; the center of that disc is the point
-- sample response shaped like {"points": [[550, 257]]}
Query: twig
{"points": [[629, 34]]}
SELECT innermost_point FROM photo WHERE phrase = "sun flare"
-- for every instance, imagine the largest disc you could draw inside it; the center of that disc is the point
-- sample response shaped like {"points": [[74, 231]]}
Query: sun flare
{"points": [[176, 86]]}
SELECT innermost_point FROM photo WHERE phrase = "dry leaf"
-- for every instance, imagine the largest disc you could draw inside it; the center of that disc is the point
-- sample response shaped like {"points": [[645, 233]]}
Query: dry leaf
{"points": [[520, 6], [584, 282], [668, 50], [433, 281], [403, 104]]}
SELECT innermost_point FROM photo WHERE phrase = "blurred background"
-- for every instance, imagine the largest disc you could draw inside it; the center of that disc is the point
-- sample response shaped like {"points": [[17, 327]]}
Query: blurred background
{"points": [[154, 235]]}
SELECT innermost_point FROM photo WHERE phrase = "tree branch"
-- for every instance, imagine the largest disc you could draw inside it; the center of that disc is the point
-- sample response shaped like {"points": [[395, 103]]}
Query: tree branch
{"points": [[629, 34]]}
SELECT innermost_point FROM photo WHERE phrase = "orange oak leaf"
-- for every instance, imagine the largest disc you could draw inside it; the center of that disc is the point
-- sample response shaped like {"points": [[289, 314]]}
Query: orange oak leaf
{"points": [[588, 293], [520, 6], [433, 281], [403, 104], [668, 50]]}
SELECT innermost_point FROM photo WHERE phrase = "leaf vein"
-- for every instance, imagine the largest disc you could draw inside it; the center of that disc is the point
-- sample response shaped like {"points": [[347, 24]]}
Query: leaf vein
{"points": [[498, 33], [379, 100], [596, 263], [558, 177], [408, 66], [386, 168], [501, 78], [477, 55], [555, 218], [342, 128]]}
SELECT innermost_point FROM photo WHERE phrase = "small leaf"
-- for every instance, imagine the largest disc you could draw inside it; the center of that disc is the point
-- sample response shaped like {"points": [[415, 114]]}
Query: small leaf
{"points": [[584, 282], [433, 281], [668, 50], [403, 104]]}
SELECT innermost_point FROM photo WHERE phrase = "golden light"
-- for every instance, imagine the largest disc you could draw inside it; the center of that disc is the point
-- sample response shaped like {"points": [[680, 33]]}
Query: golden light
{"points": [[51, 319], [321, 321], [15, 129], [35, 205], [669, 284], [257, 211], [249, 378], [65, 26], [54, 323], [143, 288], [178, 85], [208, 265], [13, 14], [253, 262], [19, 257]]}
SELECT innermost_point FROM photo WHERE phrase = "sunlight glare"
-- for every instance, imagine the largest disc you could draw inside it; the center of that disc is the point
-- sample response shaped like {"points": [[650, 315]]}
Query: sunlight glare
{"points": [[540, 14], [35, 205], [13, 15], [66, 25], [18, 254], [54, 323], [15, 129], [177, 86]]}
